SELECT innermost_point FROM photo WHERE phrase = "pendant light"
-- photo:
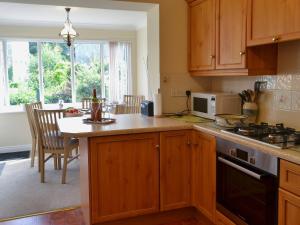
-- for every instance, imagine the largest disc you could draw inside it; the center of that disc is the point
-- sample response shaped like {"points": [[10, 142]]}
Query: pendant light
{"points": [[68, 33]]}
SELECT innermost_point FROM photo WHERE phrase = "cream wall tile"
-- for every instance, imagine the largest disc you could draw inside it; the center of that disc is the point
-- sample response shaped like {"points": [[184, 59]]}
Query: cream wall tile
{"points": [[284, 82], [283, 100], [296, 100], [296, 83]]}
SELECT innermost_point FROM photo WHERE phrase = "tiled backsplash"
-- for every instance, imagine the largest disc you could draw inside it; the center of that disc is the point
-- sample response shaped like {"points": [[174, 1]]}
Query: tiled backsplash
{"points": [[279, 102]]}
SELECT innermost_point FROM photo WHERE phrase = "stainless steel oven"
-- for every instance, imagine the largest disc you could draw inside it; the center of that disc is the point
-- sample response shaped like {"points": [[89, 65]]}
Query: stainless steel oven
{"points": [[247, 184]]}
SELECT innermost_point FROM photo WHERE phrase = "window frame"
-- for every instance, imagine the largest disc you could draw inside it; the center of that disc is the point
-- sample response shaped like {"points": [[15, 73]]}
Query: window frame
{"points": [[17, 108]]}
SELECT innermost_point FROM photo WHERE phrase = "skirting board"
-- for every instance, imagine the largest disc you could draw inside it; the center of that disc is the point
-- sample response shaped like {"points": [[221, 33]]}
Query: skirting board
{"points": [[17, 148]]}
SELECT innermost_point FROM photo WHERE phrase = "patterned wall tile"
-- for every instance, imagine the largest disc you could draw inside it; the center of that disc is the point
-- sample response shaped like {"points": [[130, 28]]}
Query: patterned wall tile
{"points": [[271, 81], [296, 82], [296, 100], [283, 100], [284, 82]]}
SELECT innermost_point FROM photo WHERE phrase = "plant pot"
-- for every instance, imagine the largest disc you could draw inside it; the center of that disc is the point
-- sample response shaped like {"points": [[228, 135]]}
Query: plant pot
{"points": [[250, 109]]}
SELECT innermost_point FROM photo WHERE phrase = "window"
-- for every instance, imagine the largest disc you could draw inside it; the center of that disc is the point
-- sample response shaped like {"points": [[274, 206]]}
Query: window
{"points": [[22, 72], [45, 71]]}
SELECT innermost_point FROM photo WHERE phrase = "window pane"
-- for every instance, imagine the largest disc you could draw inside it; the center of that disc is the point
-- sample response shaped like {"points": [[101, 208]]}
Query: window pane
{"points": [[22, 66], [57, 72], [87, 70]]}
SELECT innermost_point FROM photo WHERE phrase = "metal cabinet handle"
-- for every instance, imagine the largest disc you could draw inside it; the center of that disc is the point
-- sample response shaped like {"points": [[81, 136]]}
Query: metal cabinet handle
{"points": [[157, 147], [240, 168], [212, 56], [242, 52], [274, 39]]}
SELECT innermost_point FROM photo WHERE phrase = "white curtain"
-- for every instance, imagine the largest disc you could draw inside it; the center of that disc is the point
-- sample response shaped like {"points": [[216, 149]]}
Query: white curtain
{"points": [[120, 75], [2, 75]]}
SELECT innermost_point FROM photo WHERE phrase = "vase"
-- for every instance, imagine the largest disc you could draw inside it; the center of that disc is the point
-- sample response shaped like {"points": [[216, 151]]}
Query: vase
{"points": [[250, 109]]}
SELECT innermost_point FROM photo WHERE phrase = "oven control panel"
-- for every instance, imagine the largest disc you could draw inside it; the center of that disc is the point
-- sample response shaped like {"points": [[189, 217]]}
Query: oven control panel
{"points": [[248, 155]]}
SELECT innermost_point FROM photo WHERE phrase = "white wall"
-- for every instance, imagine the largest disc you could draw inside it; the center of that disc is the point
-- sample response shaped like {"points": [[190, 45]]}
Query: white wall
{"points": [[142, 82]]}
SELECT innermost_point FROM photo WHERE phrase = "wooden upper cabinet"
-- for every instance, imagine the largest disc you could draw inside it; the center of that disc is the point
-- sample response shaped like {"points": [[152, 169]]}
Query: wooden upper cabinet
{"points": [[124, 174], [204, 174], [231, 34], [175, 169], [229, 56], [202, 35], [271, 21]]}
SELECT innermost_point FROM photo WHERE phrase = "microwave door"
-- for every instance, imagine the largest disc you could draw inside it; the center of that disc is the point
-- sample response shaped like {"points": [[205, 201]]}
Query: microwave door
{"points": [[200, 106]]}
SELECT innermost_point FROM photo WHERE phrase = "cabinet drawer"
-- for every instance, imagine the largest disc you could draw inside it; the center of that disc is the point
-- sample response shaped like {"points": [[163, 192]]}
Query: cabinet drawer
{"points": [[223, 220], [290, 177]]}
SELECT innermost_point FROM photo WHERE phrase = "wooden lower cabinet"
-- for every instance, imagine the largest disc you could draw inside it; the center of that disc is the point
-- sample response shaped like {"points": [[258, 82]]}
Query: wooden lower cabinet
{"points": [[124, 175], [175, 169], [204, 174], [222, 219], [288, 208]]}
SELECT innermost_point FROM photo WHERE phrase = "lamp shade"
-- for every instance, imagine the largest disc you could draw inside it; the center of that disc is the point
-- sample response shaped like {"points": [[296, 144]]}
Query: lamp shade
{"points": [[68, 33]]}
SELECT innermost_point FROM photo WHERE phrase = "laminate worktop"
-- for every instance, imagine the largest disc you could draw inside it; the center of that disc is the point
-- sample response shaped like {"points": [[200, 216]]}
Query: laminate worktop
{"points": [[135, 123]]}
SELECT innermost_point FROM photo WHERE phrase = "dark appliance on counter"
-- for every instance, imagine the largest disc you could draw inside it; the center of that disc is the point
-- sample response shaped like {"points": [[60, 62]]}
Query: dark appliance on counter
{"points": [[247, 184], [277, 135], [147, 108]]}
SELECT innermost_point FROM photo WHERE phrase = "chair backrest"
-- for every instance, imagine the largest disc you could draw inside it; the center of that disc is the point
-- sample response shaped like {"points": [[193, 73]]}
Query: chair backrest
{"points": [[30, 116], [87, 102], [48, 131], [133, 103]]}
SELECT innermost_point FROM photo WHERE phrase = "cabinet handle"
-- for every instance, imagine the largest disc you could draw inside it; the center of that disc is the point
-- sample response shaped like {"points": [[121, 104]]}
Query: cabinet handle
{"points": [[242, 53], [275, 39], [212, 56], [157, 147]]}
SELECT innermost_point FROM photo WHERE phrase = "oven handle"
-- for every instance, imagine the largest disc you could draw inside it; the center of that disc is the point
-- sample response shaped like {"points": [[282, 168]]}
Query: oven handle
{"points": [[240, 168]]}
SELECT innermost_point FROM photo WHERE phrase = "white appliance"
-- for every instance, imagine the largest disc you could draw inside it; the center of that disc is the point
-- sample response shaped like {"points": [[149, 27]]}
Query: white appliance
{"points": [[209, 104]]}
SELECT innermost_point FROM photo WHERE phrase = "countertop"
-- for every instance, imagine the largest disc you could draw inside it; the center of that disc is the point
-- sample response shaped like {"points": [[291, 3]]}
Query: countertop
{"points": [[135, 123]]}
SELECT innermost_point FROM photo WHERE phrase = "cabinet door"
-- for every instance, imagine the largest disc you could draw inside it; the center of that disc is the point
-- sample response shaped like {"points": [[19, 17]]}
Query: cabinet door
{"points": [[124, 176], [204, 174], [175, 169], [231, 34], [273, 20], [202, 35], [288, 208]]}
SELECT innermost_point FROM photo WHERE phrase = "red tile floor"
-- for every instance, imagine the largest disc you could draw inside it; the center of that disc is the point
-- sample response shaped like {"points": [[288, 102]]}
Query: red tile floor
{"points": [[71, 217]]}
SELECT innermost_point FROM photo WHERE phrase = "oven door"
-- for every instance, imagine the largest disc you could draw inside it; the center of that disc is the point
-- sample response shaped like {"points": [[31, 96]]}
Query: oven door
{"points": [[246, 192]]}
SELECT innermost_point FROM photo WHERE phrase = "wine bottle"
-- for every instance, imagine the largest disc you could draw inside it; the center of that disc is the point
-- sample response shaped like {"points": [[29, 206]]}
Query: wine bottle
{"points": [[95, 107]]}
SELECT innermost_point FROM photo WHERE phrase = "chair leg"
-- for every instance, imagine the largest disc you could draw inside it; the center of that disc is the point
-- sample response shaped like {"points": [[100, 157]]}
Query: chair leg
{"points": [[42, 164], [55, 161], [59, 161], [32, 153], [39, 154], [64, 172]]}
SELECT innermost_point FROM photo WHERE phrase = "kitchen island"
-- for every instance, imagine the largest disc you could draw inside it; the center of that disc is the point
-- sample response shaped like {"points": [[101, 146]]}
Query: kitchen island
{"points": [[142, 166]]}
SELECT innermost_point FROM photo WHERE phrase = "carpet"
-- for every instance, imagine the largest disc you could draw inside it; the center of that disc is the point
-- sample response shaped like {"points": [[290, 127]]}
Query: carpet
{"points": [[21, 192]]}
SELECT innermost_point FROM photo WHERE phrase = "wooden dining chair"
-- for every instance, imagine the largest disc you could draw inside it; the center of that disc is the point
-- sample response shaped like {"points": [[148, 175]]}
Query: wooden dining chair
{"points": [[86, 103], [133, 103], [33, 129], [52, 142]]}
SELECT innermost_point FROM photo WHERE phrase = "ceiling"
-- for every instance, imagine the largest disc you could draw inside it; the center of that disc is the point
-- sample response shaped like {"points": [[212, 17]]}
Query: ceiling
{"points": [[49, 15]]}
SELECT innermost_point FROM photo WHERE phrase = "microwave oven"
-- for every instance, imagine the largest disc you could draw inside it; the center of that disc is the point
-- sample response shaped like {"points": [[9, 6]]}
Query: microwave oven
{"points": [[207, 105]]}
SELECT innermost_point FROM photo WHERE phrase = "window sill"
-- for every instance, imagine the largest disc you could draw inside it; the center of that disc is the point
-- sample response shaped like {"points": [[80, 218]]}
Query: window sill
{"points": [[21, 108]]}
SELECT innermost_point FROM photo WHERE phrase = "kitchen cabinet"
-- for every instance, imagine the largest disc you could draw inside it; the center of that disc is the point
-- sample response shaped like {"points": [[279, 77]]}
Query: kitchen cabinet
{"points": [[217, 41], [288, 208], [124, 176], [272, 21], [289, 193], [231, 34], [204, 174], [175, 169], [202, 35], [290, 177]]}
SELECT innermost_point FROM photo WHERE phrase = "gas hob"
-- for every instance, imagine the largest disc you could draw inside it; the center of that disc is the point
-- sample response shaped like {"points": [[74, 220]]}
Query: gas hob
{"points": [[277, 135]]}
